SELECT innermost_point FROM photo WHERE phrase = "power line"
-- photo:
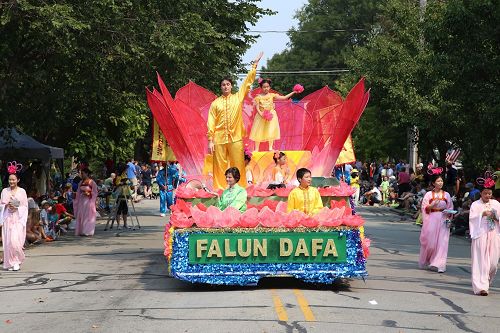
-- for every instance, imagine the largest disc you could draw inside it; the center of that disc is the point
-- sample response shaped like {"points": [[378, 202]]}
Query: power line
{"points": [[304, 31]]}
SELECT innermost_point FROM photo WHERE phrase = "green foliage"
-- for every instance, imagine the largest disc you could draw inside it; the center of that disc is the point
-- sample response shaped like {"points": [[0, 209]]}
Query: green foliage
{"points": [[437, 72], [314, 45], [72, 73]]}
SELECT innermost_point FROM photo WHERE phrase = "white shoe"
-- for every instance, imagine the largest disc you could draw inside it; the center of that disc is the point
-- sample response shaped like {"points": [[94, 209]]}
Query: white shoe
{"points": [[162, 215], [441, 270], [10, 269], [16, 267], [119, 228]]}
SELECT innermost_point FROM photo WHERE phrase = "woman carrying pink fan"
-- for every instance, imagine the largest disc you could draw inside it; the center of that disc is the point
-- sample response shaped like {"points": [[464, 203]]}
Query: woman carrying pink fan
{"points": [[13, 217], [435, 233], [485, 233], [265, 127]]}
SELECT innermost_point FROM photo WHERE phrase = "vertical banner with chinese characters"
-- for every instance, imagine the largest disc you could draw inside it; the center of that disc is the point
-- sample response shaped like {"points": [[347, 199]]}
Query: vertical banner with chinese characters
{"points": [[160, 150]]}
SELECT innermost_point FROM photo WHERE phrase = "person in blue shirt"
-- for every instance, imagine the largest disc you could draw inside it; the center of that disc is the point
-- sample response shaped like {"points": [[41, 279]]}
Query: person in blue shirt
{"points": [[165, 180]]}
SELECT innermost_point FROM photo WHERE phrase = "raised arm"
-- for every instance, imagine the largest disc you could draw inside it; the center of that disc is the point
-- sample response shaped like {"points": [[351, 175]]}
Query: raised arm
{"points": [[283, 98], [245, 86]]}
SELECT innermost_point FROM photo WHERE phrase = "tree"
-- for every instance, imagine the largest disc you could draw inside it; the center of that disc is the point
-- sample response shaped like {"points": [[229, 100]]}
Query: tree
{"points": [[326, 33], [73, 72], [437, 71]]}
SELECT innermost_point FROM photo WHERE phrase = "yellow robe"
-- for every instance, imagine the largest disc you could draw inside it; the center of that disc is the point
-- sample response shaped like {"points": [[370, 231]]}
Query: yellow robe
{"points": [[226, 130], [306, 200]]}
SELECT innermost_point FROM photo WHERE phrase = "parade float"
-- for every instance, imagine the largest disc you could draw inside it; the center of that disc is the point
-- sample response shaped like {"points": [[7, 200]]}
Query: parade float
{"points": [[206, 245]]}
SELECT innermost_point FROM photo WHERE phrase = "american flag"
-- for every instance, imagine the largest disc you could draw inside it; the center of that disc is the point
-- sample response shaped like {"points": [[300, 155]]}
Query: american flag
{"points": [[452, 155]]}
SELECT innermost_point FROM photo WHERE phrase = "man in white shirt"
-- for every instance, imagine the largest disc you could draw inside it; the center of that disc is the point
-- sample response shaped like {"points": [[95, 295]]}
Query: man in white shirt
{"points": [[374, 196]]}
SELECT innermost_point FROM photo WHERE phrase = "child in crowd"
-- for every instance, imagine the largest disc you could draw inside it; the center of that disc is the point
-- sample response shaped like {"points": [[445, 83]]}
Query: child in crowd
{"points": [[53, 217], [122, 194], [355, 185], [304, 198], [64, 216], [384, 189]]}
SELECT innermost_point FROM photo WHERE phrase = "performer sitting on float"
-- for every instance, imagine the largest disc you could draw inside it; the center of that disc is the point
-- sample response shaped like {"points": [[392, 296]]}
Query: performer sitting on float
{"points": [[265, 125], [281, 171], [305, 198], [235, 195]]}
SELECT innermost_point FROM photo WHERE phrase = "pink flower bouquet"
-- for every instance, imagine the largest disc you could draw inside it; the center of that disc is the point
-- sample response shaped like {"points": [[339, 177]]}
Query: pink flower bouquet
{"points": [[298, 88], [267, 115]]}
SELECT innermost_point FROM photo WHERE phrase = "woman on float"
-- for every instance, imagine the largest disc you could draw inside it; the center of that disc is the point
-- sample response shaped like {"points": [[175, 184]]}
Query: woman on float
{"points": [[485, 233], [13, 217], [235, 195], [304, 198], [435, 232], [281, 171]]}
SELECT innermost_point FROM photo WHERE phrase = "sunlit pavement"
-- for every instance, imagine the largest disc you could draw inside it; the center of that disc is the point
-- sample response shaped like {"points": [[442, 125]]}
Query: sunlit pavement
{"points": [[117, 282]]}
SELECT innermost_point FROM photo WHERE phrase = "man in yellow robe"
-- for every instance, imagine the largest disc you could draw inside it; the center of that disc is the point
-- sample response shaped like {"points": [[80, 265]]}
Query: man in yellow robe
{"points": [[304, 198], [226, 129]]}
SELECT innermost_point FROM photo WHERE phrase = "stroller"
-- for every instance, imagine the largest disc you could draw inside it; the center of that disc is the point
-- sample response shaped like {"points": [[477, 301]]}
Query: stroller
{"points": [[155, 190]]}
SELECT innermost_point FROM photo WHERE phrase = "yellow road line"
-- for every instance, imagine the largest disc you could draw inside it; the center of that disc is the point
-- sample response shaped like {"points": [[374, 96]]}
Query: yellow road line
{"points": [[278, 306], [304, 305]]}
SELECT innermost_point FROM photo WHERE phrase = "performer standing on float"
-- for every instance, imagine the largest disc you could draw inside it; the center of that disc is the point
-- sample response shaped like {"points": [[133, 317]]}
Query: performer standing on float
{"points": [[435, 233], [265, 125], [13, 216], [485, 233], [226, 129]]}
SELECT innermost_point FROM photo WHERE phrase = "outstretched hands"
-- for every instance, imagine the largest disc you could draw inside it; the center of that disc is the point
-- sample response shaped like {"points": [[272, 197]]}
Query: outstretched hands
{"points": [[257, 59]]}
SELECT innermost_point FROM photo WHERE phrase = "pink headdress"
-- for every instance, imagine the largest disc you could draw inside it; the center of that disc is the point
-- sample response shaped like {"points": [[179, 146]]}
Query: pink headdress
{"points": [[488, 181], [247, 152], [434, 171], [14, 167]]}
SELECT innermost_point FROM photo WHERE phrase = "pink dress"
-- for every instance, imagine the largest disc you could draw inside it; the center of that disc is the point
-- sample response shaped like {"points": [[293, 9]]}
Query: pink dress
{"points": [[14, 227], [84, 207], [485, 247], [435, 233]]}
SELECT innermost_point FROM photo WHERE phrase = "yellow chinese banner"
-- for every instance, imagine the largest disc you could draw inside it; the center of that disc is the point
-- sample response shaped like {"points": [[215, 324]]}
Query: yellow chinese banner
{"points": [[160, 150], [347, 153]]}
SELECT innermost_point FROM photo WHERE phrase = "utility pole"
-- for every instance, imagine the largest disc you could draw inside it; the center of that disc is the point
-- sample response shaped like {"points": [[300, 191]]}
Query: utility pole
{"points": [[412, 132]]}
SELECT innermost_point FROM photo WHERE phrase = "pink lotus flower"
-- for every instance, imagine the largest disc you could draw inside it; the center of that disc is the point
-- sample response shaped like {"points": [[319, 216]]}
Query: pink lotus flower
{"points": [[230, 217], [282, 206], [249, 219], [294, 219], [309, 222], [267, 218], [298, 88], [283, 192], [180, 220], [267, 115]]}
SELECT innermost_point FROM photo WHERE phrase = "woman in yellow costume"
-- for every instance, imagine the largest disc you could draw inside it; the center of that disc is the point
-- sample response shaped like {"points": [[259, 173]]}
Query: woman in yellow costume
{"points": [[265, 125]]}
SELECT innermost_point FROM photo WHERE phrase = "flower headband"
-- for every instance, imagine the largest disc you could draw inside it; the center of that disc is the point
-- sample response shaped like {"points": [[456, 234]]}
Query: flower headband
{"points": [[434, 171], [488, 181], [276, 154], [247, 152], [14, 167]]}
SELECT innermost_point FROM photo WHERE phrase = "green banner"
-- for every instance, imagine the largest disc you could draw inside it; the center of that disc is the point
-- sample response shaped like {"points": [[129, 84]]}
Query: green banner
{"points": [[252, 248]]}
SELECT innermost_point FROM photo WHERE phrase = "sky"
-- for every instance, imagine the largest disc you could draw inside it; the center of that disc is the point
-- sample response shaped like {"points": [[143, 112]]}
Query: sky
{"points": [[272, 43]]}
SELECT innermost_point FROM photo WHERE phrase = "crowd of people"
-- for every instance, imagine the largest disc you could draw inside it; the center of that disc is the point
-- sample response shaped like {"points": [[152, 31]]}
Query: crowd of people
{"points": [[74, 203], [398, 186]]}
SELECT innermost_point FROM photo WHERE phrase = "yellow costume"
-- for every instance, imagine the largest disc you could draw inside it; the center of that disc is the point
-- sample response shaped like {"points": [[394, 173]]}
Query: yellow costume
{"points": [[226, 131], [264, 130], [306, 200]]}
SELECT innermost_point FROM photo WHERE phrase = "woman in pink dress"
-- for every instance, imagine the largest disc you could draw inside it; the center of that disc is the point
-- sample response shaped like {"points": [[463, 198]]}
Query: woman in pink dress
{"points": [[14, 214], [435, 232], [485, 233], [84, 205]]}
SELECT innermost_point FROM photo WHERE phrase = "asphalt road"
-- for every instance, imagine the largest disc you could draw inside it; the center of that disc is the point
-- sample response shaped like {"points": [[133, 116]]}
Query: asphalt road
{"points": [[117, 283]]}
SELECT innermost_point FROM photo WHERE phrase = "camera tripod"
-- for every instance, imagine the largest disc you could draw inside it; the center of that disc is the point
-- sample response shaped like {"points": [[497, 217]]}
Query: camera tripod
{"points": [[131, 213]]}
